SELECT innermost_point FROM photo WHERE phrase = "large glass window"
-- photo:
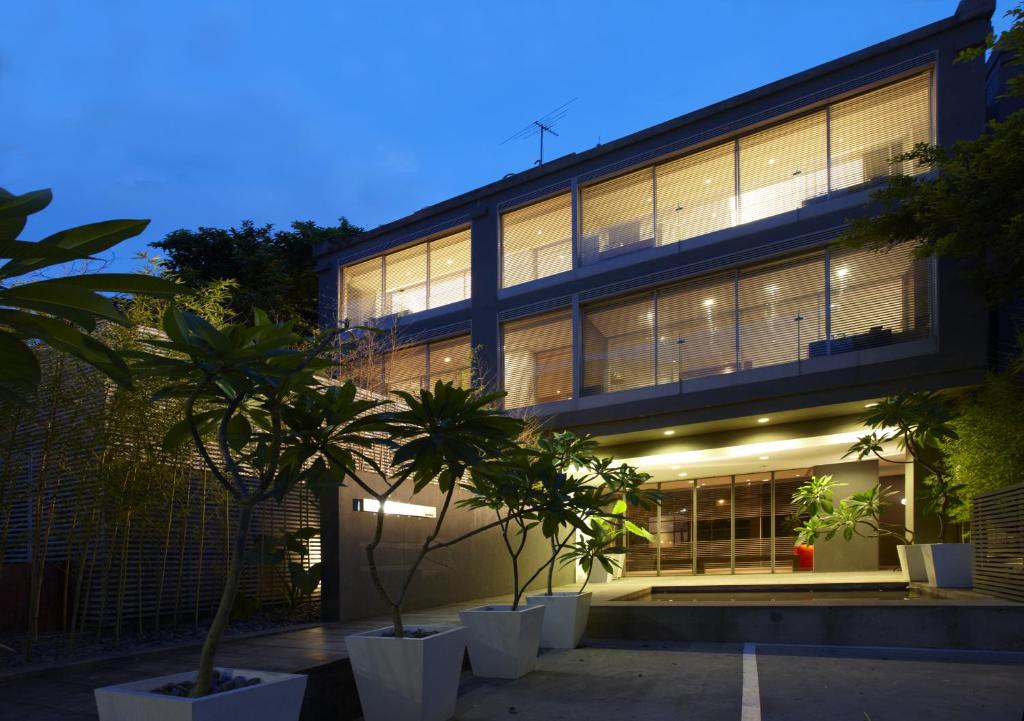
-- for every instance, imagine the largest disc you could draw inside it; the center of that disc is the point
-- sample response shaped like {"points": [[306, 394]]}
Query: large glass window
{"points": [[868, 131], [537, 359], [617, 216], [783, 167], [411, 368], [428, 275], [696, 194], [536, 241], [697, 330], [618, 345]]}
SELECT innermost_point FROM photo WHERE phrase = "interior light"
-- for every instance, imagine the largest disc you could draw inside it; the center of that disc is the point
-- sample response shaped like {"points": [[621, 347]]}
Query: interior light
{"points": [[447, 359], [394, 508], [720, 502], [683, 474], [772, 289], [903, 501], [708, 302], [763, 458], [540, 232], [707, 181], [842, 272], [448, 262], [771, 161], [675, 468], [669, 433], [763, 419]]}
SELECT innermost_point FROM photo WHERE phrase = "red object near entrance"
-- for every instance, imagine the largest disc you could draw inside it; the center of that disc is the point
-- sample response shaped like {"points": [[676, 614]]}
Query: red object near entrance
{"points": [[804, 558]]}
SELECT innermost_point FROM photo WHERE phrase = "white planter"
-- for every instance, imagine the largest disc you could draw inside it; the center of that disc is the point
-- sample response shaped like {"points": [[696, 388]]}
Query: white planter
{"points": [[503, 643], [949, 565], [278, 697], [407, 679], [912, 563], [565, 618]]}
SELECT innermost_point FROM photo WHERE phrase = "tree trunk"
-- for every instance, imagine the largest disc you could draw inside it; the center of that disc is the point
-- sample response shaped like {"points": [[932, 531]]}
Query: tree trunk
{"points": [[204, 677]]}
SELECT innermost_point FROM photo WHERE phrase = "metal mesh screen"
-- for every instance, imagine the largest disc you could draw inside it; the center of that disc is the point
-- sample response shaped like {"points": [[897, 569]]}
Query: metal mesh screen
{"points": [[618, 345], [868, 131], [617, 216], [696, 194], [537, 359], [536, 241], [783, 167]]}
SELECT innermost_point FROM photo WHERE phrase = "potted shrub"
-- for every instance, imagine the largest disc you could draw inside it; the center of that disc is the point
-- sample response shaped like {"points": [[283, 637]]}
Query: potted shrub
{"points": [[412, 674], [244, 388], [921, 423]]}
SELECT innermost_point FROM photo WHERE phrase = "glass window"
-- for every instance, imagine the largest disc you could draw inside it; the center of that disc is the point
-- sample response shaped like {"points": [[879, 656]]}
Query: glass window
{"points": [[696, 194], [868, 131], [411, 368], [405, 369], [782, 312], [878, 298], [362, 299], [783, 167], [536, 241], [537, 359], [617, 216], [405, 281], [449, 269], [450, 361], [618, 346], [697, 330]]}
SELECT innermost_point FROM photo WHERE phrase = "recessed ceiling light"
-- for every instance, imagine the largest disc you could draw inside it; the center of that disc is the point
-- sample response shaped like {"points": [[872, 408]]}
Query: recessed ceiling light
{"points": [[675, 468], [669, 433], [763, 419], [683, 474], [871, 405], [763, 458]]}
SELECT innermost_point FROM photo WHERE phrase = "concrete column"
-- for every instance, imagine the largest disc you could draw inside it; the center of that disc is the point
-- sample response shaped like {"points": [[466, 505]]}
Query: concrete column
{"points": [[484, 248], [859, 554]]}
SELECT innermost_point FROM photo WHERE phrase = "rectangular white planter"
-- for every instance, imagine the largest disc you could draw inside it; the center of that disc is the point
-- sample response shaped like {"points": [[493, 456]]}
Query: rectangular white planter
{"points": [[949, 565], [278, 697], [565, 618], [408, 679], [503, 643], [912, 563]]}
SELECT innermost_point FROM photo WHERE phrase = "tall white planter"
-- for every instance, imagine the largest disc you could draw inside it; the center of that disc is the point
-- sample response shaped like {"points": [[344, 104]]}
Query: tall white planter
{"points": [[503, 643], [912, 563], [565, 618], [278, 697], [407, 679], [949, 565]]}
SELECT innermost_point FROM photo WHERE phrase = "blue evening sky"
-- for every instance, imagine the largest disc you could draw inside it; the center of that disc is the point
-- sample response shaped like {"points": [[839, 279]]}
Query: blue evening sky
{"points": [[208, 112]]}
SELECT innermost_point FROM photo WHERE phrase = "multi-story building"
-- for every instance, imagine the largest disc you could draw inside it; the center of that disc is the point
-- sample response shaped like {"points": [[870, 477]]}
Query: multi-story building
{"points": [[678, 294]]}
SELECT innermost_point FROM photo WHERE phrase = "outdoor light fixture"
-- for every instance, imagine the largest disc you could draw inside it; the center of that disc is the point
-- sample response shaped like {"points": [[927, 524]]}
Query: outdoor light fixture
{"points": [[871, 405], [763, 458], [765, 419], [394, 508], [683, 474], [675, 468], [669, 433]]}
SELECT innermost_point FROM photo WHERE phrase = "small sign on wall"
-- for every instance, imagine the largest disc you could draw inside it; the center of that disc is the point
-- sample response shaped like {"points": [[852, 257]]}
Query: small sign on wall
{"points": [[394, 508]]}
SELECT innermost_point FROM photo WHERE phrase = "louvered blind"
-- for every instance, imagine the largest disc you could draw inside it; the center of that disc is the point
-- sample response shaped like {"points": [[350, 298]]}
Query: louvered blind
{"points": [[787, 518], [676, 533], [536, 241], [405, 281], [641, 554], [879, 298], [537, 359], [697, 330], [618, 345], [714, 544], [617, 216], [696, 194], [405, 369], [781, 312], [362, 294], [411, 368], [783, 167], [449, 362], [449, 269], [753, 522], [868, 131]]}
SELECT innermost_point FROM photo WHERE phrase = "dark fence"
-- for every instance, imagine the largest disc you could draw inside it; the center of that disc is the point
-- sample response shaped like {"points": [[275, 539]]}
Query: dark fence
{"points": [[997, 530]]}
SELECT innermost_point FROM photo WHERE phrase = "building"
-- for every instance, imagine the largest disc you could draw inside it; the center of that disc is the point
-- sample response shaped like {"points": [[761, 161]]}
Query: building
{"points": [[677, 293]]}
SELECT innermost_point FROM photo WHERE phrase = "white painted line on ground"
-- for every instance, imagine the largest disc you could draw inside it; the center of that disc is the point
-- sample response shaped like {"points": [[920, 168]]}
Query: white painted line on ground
{"points": [[751, 709]]}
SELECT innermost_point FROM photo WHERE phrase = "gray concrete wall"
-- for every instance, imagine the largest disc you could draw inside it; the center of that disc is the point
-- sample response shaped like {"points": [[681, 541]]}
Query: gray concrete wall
{"points": [[475, 568], [859, 554]]}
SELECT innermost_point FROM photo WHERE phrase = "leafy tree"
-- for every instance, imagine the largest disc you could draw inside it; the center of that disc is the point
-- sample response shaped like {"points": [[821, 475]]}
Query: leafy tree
{"points": [[972, 206], [273, 268], [858, 515], [60, 312]]}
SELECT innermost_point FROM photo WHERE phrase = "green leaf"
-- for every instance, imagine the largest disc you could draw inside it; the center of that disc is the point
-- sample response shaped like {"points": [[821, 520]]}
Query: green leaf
{"points": [[85, 239], [239, 432], [19, 365], [134, 283], [60, 295], [15, 209]]}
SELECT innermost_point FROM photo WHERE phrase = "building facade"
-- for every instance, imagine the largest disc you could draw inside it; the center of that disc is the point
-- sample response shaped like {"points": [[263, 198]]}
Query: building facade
{"points": [[678, 294]]}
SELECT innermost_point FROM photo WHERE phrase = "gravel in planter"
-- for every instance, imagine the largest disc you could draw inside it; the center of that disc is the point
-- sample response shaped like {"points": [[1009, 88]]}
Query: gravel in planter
{"points": [[221, 682]]}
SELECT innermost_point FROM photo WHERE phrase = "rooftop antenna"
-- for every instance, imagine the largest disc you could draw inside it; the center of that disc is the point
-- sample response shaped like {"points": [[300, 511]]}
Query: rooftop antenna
{"points": [[540, 126]]}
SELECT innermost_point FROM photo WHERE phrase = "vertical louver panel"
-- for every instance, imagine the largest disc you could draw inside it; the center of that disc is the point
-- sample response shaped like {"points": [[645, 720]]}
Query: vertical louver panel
{"points": [[781, 312], [617, 216], [537, 359], [696, 194], [697, 330], [362, 297], [868, 131], [449, 361], [405, 281], [676, 533], [783, 167], [536, 241], [618, 345], [449, 269], [753, 523], [879, 298]]}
